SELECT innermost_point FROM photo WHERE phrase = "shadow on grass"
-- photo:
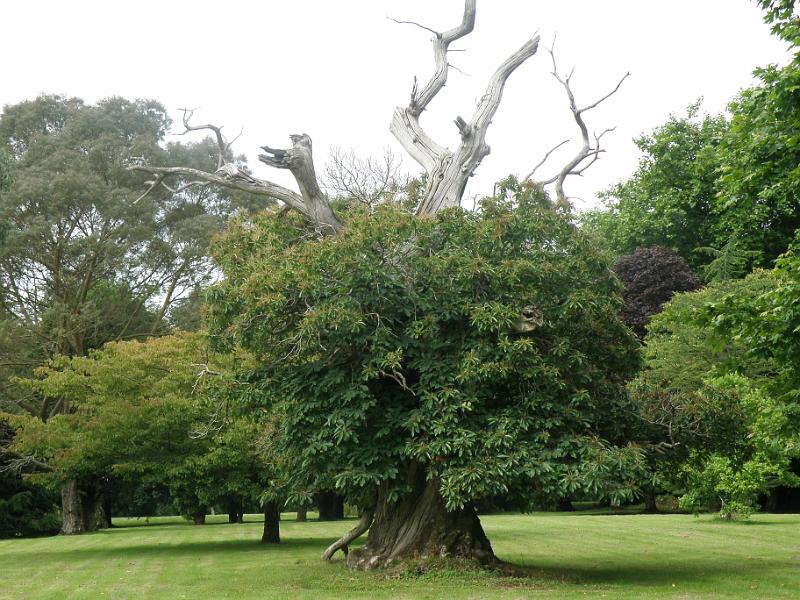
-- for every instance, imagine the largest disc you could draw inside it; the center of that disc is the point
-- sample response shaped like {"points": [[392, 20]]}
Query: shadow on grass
{"points": [[305, 546], [649, 575]]}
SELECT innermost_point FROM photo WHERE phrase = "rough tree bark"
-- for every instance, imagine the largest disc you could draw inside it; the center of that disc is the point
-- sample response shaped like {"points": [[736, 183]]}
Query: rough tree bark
{"points": [[302, 514], [419, 524], [79, 506], [650, 504], [272, 523]]}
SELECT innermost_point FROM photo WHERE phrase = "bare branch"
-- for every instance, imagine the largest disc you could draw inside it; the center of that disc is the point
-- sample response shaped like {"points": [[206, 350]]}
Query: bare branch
{"points": [[369, 181], [433, 31], [260, 187], [441, 42], [577, 165], [18, 464], [405, 123], [608, 95], [544, 160], [222, 144], [159, 180]]}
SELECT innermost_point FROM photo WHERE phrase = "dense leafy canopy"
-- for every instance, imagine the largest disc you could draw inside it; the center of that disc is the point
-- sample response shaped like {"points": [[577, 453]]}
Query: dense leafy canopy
{"points": [[713, 402], [399, 342], [670, 199], [154, 414]]}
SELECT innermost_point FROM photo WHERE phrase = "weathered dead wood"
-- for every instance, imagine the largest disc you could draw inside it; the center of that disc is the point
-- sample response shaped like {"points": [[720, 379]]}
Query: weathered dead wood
{"points": [[300, 162], [589, 153], [448, 171]]}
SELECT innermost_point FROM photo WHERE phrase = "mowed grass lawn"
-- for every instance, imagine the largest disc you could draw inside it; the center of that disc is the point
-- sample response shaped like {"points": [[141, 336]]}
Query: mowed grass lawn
{"points": [[570, 555]]}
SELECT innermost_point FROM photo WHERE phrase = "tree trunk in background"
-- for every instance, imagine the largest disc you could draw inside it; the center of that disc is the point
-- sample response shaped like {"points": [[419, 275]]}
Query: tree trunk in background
{"points": [[650, 505], [272, 523], [419, 526], [302, 514], [104, 512], [79, 508], [565, 505], [331, 506], [199, 516]]}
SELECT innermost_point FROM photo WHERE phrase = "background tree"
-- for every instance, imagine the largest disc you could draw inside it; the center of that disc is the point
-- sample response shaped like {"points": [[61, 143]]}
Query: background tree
{"points": [[718, 188], [25, 509], [719, 431], [153, 414], [84, 258], [669, 201], [651, 276]]}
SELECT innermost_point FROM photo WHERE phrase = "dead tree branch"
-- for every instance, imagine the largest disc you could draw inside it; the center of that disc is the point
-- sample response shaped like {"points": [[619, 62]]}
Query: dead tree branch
{"points": [[299, 161], [589, 153], [369, 181], [448, 171], [311, 202]]}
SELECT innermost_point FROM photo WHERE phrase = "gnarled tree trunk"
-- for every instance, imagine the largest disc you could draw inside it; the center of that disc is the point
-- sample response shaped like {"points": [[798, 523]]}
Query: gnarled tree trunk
{"points": [[419, 526], [79, 506]]}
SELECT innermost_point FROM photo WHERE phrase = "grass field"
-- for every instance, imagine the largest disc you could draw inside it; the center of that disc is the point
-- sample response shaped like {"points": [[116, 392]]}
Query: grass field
{"points": [[572, 555]]}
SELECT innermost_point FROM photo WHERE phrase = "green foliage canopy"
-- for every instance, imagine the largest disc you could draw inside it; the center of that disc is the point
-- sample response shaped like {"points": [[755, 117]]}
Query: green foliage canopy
{"points": [[394, 343]]}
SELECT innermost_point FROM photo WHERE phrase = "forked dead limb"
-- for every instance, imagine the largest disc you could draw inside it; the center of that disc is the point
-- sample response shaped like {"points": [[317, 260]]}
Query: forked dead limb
{"points": [[589, 153]]}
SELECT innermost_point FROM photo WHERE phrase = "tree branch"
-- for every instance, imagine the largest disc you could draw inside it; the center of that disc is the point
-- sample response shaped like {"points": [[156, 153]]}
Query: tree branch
{"points": [[299, 160], [343, 542], [587, 150], [405, 123], [259, 186]]}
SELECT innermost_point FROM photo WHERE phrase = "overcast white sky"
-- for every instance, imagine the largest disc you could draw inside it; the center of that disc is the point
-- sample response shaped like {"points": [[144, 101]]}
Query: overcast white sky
{"points": [[336, 69]]}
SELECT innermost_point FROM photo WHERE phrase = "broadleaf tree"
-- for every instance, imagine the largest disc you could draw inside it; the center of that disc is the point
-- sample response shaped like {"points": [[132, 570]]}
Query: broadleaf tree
{"points": [[420, 360], [85, 258]]}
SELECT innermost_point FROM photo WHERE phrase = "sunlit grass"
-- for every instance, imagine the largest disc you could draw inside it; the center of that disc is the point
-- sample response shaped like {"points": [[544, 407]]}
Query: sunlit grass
{"points": [[570, 555]]}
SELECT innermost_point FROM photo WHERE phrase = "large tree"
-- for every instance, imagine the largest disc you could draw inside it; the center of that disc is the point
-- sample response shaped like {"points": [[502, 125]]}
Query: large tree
{"points": [[422, 360], [84, 257]]}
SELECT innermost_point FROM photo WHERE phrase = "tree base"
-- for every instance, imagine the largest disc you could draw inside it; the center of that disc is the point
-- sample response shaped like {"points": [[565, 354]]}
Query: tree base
{"points": [[420, 528], [79, 506], [272, 524]]}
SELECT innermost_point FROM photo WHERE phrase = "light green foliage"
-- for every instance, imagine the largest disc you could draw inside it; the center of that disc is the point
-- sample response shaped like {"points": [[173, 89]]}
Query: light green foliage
{"points": [[683, 347], [782, 15], [393, 343], [769, 325], [762, 458], [154, 413], [560, 557], [708, 386]]}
